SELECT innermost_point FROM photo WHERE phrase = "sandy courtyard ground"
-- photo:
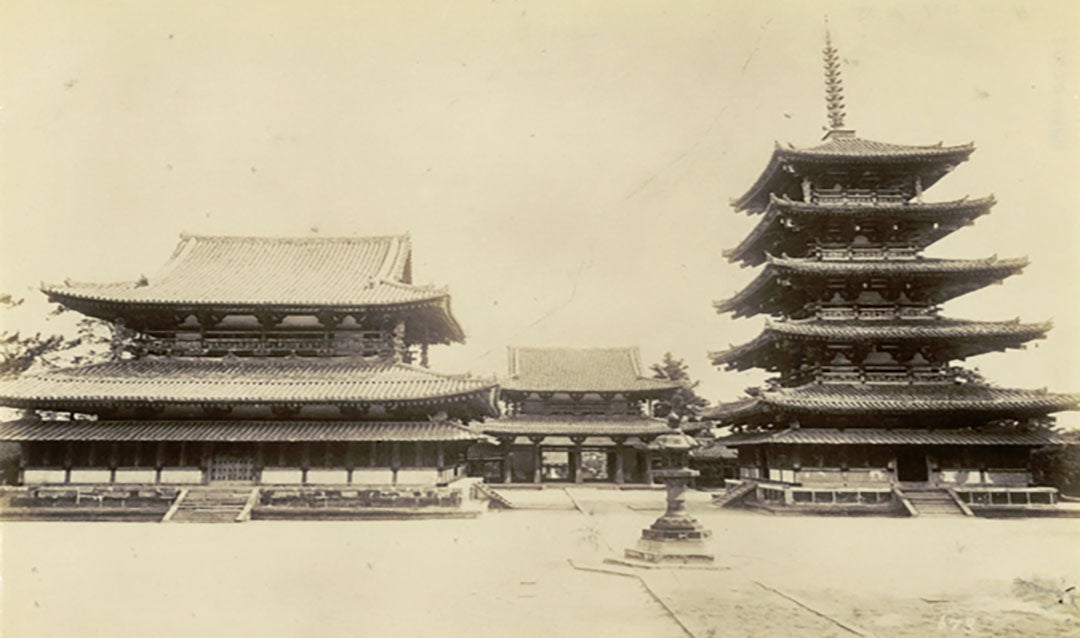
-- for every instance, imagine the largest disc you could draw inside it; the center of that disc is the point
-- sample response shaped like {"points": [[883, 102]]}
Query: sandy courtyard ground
{"points": [[508, 574]]}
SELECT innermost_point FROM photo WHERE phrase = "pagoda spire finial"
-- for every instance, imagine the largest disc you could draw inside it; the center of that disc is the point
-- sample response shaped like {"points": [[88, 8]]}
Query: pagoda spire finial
{"points": [[834, 86]]}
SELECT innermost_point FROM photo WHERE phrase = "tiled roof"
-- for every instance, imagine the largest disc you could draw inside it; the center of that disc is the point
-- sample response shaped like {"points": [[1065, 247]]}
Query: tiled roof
{"points": [[292, 272], [575, 426], [580, 370], [247, 380], [964, 207], [895, 399], [967, 337], [714, 452], [235, 431], [969, 275], [849, 147], [769, 234], [929, 162], [903, 266], [869, 436]]}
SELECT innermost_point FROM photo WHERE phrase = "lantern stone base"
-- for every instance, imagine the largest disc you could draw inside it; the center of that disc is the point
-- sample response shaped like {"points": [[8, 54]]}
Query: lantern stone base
{"points": [[677, 542]]}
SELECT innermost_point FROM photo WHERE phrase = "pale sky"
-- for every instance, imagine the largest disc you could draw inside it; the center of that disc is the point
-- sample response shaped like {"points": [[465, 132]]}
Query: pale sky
{"points": [[564, 167]]}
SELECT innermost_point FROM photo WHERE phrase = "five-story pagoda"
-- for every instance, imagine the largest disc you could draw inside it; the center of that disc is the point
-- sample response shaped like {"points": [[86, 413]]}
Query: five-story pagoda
{"points": [[866, 396], [258, 360]]}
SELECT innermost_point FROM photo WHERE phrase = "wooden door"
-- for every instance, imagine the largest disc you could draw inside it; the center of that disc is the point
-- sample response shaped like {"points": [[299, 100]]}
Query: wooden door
{"points": [[232, 464]]}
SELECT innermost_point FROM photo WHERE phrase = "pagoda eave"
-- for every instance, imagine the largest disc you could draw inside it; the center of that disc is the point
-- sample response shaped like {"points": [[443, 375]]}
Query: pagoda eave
{"points": [[952, 400]]}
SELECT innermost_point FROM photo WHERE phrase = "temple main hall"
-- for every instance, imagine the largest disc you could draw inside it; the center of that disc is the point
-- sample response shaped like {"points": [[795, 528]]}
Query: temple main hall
{"points": [[248, 360]]}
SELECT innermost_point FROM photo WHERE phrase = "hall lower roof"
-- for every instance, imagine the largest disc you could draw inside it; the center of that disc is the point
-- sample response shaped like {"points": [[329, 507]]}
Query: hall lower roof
{"points": [[239, 381], [235, 431], [575, 426]]}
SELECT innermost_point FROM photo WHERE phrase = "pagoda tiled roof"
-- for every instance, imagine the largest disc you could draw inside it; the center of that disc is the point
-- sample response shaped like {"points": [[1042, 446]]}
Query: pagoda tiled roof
{"points": [[766, 235], [968, 274], [965, 207], [239, 431], [868, 398], [575, 426], [920, 265], [616, 370], [857, 149], [931, 162], [874, 436], [239, 380], [966, 337]]}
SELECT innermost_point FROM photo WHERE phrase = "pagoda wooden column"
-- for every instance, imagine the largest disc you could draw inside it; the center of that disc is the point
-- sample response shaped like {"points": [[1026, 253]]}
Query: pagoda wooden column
{"points": [[575, 459], [620, 449], [538, 458], [440, 455]]}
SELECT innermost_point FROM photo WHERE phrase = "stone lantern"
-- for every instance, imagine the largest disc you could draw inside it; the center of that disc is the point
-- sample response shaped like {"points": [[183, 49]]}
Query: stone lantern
{"points": [[675, 539]]}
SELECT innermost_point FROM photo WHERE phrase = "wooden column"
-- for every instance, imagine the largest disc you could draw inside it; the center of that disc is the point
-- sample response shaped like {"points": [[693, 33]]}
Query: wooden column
{"points": [[69, 459], [159, 460], [507, 443], [648, 467], [114, 453], [538, 458], [575, 459], [440, 454], [620, 474], [350, 458], [305, 460]]}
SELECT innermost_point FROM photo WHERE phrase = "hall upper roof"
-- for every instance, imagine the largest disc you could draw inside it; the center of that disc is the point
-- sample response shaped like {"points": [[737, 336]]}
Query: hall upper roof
{"points": [[286, 274], [580, 370]]}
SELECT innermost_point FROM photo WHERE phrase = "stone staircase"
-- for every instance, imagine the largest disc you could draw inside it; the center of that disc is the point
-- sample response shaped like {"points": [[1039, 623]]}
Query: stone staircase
{"points": [[733, 495], [212, 504], [935, 502], [495, 499]]}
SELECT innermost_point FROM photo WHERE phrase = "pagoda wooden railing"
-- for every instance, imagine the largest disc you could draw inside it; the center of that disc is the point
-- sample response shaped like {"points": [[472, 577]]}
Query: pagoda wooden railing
{"points": [[854, 374], [858, 197], [876, 312], [877, 253]]}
